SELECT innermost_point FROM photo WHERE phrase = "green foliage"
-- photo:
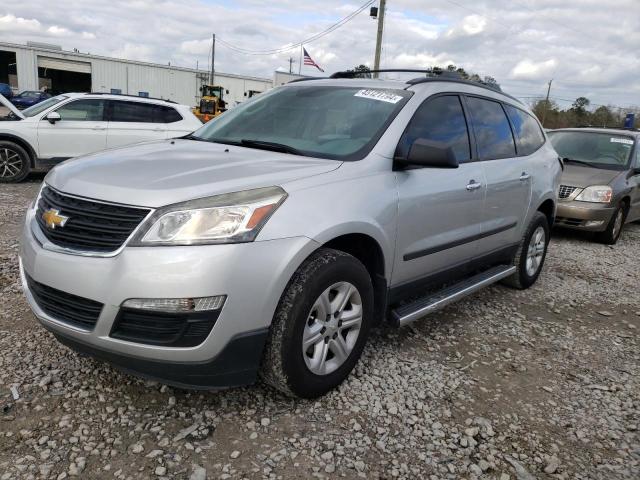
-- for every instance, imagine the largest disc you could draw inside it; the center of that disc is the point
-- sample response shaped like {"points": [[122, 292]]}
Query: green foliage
{"points": [[579, 114]]}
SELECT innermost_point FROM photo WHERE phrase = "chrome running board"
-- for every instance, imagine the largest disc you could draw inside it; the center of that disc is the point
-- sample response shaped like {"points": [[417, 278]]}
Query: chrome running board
{"points": [[417, 309]]}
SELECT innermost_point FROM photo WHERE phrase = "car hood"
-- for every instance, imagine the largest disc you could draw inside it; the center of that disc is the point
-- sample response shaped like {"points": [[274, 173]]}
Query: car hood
{"points": [[583, 176], [160, 173], [11, 107]]}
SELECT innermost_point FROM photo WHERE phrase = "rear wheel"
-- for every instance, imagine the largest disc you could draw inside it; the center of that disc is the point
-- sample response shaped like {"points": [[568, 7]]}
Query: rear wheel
{"points": [[14, 162], [321, 325], [614, 228], [531, 253]]}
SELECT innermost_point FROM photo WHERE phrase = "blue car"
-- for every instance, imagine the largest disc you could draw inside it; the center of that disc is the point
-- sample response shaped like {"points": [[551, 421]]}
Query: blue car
{"points": [[29, 98], [5, 90]]}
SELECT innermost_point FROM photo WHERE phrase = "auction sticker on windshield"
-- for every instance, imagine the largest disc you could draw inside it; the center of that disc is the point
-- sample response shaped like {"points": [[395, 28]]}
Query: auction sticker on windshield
{"points": [[379, 95], [626, 141]]}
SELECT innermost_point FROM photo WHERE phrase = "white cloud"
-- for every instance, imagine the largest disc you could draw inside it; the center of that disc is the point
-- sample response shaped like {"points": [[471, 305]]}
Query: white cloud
{"points": [[11, 23], [474, 24], [58, 31], [528, 69]]}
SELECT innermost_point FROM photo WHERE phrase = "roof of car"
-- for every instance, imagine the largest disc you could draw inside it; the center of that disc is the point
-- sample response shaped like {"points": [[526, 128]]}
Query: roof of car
{"points": [[352, 79], [608, 130], [120, 96]]}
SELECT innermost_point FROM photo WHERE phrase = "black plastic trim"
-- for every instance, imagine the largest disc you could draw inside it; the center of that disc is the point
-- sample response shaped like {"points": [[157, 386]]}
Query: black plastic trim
{"points": [[456, 243], [450, 274], [236, 365]]}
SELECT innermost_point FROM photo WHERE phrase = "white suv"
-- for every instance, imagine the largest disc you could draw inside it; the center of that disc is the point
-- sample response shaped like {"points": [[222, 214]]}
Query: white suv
{"points": [[76, 124]]}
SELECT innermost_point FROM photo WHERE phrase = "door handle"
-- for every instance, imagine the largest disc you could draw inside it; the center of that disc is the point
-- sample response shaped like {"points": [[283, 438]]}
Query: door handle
{"points": [[99, 128], [473, 185], [524, 176]]}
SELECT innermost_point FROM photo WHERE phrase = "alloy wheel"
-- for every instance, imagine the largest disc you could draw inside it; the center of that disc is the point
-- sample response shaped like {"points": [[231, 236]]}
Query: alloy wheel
{"points": [[10, 163], [535, 251], [332, 328], [617, 225]]}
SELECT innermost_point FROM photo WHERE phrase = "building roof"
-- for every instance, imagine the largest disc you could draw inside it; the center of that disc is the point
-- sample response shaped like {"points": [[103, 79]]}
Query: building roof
{"points": [[88, 56]]}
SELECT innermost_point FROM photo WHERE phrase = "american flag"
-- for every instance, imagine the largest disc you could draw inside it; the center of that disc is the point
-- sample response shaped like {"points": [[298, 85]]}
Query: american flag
{"points": [[309, 61]]}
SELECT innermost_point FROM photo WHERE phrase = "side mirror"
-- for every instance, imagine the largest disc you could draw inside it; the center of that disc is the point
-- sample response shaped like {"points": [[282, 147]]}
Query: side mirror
{"points": [[427, 153], [53, 117]]}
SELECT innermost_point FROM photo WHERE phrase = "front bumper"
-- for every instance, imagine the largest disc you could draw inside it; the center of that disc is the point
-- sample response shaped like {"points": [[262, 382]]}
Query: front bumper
{"points": [[592, 217], [252, 275]]}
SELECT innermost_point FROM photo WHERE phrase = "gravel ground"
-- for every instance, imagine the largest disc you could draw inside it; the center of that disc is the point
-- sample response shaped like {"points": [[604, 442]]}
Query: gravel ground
{"points": [[543, 383]]}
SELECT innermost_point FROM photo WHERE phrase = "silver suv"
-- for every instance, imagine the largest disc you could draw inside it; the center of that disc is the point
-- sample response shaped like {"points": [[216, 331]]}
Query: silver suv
{"points": [[273, 239]]}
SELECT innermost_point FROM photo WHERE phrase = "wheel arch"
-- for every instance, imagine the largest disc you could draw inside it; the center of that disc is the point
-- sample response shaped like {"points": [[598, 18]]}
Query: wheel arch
{"points": [[24, 144], [370, 253], [548, 208]]}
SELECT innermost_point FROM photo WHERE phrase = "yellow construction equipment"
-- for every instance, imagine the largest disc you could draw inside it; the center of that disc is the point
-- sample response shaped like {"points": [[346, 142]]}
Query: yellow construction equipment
{"points": [[212, 103]]}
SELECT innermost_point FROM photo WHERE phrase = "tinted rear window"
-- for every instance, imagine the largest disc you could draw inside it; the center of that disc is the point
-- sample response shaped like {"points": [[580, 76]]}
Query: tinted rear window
{"points": [[529, 137], [491, 128], [132, 112]]}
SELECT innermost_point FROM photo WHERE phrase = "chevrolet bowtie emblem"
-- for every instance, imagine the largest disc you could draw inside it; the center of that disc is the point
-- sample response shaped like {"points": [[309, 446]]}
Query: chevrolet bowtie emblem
{"points": [[53, 219]]}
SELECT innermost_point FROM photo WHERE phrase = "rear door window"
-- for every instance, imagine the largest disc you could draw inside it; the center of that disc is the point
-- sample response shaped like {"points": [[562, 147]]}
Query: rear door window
{"points": [[137, 112], [441, 120], [491, 128], [167, 114], [90, 110], [529, 137]]}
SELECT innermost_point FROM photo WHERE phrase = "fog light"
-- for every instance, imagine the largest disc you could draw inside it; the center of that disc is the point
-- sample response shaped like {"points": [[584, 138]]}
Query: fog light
{"points": [[594, 223], [200, 304]]}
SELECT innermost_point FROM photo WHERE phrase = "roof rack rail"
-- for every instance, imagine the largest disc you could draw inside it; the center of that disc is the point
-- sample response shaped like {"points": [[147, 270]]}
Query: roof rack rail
{"points": [[130, 96], [353, 74], [626, 129]]}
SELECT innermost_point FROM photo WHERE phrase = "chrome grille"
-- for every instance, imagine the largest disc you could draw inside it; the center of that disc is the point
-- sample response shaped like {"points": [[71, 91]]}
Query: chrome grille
{"points": [[566, 191], [92, 225]]}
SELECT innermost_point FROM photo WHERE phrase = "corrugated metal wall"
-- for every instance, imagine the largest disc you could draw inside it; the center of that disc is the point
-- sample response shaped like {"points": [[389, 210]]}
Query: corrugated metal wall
{"points": [[178, 84]]}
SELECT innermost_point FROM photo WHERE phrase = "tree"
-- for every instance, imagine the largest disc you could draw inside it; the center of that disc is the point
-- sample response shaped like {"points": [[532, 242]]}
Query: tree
{"points": [[579, 107], [363, 69], [602, 117]]}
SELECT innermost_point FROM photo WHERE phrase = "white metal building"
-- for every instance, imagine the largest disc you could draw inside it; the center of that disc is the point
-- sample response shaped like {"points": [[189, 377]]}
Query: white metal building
{"points": [[38, 66]]}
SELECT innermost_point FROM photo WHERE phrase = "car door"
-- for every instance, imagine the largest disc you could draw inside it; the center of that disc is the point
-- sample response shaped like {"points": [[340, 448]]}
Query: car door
{"points": [[634, 181], [132, 122], [508, 176], [82, 129], [439, 209]]}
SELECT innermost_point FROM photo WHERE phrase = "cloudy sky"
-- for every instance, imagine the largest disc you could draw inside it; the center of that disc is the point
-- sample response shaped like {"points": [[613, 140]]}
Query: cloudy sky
{"points": [[589, 47]]}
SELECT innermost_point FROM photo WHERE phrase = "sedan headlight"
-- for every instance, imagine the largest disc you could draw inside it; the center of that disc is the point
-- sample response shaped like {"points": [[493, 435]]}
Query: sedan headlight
{"points": [[596, 194], [229, 218]]}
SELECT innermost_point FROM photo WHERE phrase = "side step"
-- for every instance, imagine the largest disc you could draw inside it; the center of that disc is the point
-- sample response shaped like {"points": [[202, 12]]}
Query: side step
{"points": [[435, 301]]}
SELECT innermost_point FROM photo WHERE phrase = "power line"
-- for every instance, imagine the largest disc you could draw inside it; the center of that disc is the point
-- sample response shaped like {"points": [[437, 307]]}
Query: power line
{"points": [[310, 39]]}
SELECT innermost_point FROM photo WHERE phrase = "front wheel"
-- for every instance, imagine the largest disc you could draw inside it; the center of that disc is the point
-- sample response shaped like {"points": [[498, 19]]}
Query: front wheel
{"points": [[14, 162], [321, 325], [614, 228], [531, 253]]}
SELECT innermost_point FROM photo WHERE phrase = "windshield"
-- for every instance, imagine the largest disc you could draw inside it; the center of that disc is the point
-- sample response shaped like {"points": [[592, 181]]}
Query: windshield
{"points": [[42, 106], [29, 95], [600, 150], [341, 123]]}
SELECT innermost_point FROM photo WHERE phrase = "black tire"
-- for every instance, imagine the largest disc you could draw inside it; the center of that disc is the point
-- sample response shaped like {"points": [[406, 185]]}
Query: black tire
{"points": [[612, 233], [284, 366], [15, 162], [523, 279]]}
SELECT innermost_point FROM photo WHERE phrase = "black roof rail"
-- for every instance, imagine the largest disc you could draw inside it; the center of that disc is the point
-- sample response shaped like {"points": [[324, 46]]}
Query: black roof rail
{"points": [[305, 79], [353, 74], [131, 96], [626, 129]]}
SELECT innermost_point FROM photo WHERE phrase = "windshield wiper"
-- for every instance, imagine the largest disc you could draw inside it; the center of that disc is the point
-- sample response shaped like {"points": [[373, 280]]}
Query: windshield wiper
{"points": [[191, 136], [275, 147], [573, 160]]}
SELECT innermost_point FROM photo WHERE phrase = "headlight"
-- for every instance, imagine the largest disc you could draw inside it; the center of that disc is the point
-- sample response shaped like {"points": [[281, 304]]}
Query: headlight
{"points": [[596, 194], [229, 218]]}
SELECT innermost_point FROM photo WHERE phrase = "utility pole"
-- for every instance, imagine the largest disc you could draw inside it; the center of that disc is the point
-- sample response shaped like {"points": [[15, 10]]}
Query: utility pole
{"points": [[213, 57], [546, 102], [376, 62], [291, 62]]}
